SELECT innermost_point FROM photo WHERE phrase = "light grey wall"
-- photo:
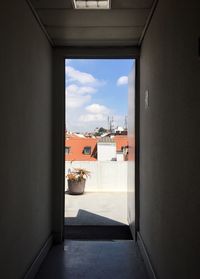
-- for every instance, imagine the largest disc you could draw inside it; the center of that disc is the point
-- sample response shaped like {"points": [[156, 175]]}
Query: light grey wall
{"points": [[170, 140], [25, 139]]}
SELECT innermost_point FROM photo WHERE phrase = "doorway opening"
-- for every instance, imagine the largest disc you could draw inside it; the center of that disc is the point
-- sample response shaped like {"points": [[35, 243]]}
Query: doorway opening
{"points": [[99, 147]]}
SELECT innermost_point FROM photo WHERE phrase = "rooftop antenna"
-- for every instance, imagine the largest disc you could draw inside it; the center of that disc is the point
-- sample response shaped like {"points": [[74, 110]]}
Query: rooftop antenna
{"points": [[125, 123], [108, 123], [111, 124]]}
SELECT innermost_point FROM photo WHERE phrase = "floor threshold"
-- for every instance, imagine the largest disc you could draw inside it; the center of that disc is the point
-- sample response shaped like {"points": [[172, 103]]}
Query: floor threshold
{"points": [[97, 232]]}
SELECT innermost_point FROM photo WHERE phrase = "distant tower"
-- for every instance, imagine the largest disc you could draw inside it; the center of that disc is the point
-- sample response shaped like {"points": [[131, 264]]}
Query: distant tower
{"points": [[125, 123], [108, 123], [111, 124]]}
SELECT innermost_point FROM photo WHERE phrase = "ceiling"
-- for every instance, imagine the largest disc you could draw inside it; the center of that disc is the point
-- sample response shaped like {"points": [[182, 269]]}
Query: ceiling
{"points": [[122, 25]]}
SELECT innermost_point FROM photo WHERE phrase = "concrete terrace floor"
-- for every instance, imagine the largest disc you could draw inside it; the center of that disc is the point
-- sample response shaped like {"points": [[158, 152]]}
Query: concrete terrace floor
{"points": [[96, 208]]}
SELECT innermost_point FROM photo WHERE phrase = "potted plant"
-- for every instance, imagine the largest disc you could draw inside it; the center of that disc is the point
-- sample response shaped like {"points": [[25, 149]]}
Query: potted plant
{"points": [[76, 181]]}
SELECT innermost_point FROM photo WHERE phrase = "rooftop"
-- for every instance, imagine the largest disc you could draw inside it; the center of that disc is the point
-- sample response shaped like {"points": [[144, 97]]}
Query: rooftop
{"points": [[106, 140], [77, 143]]}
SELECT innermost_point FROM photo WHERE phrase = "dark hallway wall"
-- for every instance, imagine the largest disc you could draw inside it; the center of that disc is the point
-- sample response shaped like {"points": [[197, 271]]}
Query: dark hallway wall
{"points": [[25, 141], [170, 140]]}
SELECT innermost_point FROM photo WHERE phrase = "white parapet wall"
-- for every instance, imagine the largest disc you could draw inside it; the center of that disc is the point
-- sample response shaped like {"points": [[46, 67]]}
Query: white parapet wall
{"points": [[108, 176]]}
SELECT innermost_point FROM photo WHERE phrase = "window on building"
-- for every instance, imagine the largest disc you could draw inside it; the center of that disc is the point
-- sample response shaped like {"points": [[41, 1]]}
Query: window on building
{"points": [[67, 149], [87, 150]]}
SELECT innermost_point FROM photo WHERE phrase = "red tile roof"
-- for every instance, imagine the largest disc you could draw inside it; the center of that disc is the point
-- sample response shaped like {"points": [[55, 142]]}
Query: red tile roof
{"points": [[77, 144], [121, 141]]}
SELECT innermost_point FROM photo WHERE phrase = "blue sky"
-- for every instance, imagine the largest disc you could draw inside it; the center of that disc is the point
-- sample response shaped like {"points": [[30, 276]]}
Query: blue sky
{"points": [[96, 89]]}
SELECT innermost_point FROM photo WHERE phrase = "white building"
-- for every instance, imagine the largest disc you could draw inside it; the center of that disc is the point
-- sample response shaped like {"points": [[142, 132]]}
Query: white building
{"points": [[106, 149], [120, 156]]}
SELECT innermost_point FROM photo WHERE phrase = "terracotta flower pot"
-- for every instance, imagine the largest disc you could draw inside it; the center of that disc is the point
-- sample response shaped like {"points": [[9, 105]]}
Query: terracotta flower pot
{"points": [[76, 187]]}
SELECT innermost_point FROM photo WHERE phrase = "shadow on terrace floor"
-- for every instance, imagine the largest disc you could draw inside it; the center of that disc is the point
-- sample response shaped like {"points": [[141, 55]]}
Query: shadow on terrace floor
{"points": [[88, 218], [106, 228]]}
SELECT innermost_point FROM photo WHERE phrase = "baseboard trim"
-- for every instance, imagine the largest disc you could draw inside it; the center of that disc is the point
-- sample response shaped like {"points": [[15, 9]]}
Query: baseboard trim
{"points": [[132, 228], [145, 256], [33, 269]]}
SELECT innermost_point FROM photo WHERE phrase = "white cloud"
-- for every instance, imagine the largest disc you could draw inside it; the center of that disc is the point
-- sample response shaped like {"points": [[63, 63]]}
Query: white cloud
{"points": [[79, 119], [96, 114], [75, 89], [67, 61], [87, 89], [77, 96], [77, 101], [122, 80], [76, 75], [72, 89], [92, 117], [97, 109]]}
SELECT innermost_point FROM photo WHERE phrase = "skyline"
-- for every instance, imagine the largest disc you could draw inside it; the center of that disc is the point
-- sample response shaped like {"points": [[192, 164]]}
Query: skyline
{"points": [[96, 89]]}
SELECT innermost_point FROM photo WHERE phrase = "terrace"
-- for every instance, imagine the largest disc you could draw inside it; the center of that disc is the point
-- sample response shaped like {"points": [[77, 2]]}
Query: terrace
{"points": [[105, 199]]}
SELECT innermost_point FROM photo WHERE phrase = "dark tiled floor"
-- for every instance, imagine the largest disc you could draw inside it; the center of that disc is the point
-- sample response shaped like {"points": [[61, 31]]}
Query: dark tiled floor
{"points": [[118, 259]]}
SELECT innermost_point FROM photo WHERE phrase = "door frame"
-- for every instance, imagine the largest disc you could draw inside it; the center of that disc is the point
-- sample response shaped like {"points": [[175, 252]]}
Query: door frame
{"points": [[58, 110]]}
